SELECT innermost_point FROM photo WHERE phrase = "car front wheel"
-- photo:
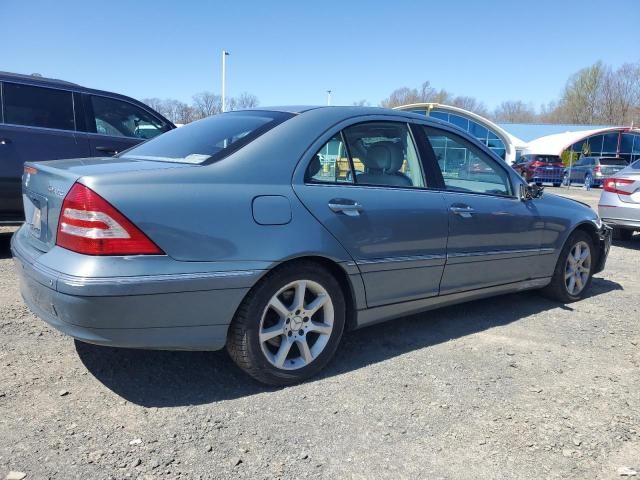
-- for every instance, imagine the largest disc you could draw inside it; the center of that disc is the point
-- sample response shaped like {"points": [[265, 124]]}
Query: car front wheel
{"points": [[572, 275], [289, 325]]}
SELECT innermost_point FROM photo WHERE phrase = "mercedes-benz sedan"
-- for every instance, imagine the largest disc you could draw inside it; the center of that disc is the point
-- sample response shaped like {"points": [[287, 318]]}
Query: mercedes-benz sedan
{"points": [[269, 232]]}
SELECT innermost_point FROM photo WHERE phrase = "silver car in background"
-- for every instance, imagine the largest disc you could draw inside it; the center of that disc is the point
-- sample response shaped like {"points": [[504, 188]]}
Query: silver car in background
{"points": [[619, 204]]}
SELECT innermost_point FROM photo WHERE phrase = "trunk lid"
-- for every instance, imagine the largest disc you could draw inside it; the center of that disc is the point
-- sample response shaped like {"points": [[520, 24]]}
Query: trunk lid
{"points": [[46, 184], [633, 188]]}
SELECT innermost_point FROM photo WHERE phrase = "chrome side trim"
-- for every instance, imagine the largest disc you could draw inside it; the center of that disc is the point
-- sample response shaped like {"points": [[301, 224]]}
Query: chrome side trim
{"points": [[408, 258], [530, 251], [133, 285]]}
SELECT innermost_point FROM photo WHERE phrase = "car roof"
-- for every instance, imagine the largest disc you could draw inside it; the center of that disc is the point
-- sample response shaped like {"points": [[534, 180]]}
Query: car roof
{"points": [[19, 77], [63, 84], [349, 111]]}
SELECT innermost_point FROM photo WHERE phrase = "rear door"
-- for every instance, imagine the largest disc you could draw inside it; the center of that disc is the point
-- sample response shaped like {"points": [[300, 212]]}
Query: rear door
{"points": [[38, 124], [114, 125], [383, 212], [494, 236]]}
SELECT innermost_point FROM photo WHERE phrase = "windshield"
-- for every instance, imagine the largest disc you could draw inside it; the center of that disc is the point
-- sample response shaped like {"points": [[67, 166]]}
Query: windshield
{"points": [[209, 139]]}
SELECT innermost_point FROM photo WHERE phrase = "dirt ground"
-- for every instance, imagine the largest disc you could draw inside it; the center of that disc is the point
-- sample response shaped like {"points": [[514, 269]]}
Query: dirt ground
{"points": [[515, 387]]}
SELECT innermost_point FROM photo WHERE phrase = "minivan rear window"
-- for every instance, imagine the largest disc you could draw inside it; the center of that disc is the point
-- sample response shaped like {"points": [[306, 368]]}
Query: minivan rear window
{"points": [[209, 139]]}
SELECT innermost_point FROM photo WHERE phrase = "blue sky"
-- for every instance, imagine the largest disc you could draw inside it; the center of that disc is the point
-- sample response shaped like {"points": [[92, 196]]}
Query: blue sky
{"points": [[291, 52]]}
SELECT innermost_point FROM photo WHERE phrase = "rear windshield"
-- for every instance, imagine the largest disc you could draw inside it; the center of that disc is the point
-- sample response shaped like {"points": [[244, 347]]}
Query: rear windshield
{"points": [[613, 161], [209, 139], [546, 158]]}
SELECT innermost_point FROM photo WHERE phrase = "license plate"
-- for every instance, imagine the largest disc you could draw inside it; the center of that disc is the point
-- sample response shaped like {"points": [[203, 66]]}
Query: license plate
{"points": [[36, 221], [34, 214]]}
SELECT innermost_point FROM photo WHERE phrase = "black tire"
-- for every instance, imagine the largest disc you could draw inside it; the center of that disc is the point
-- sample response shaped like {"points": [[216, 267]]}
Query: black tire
{"points": [[622, 234], [243, 342], [557, 289], [556, 185]]}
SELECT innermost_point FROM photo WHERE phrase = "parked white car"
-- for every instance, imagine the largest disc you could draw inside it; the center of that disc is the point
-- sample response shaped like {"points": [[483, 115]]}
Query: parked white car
{"points": [[619, 204]]}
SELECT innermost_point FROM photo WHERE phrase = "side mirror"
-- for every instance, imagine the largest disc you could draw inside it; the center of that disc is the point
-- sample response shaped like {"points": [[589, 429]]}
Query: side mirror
{"points": [[530, 191]]}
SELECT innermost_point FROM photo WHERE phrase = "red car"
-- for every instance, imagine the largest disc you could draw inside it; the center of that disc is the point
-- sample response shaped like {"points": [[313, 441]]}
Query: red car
{"points": [[540, 169]]}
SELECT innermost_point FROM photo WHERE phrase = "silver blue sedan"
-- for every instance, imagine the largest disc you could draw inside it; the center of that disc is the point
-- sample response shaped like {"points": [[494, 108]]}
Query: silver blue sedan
{"points": [[269, 232]]}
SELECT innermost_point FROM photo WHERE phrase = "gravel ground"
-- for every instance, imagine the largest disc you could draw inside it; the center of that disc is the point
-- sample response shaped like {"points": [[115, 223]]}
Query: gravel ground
{"points": [[509, 388]]}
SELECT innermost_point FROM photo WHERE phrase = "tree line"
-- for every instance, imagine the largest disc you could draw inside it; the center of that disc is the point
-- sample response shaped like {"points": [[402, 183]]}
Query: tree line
{"points": [[597, 94], [203, 104]]}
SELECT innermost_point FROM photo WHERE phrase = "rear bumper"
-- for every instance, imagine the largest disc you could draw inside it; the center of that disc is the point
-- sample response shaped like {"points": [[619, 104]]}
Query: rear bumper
{"points": [[134, 312], [618, 214]]}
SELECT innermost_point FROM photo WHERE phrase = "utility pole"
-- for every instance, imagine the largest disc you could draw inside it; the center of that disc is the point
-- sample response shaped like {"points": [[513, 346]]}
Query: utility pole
{"points": [[328, 97], [224, 62]]}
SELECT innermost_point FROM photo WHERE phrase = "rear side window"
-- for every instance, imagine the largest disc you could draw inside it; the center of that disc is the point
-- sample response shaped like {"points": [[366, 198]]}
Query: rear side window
{"points": [[122, 119], [331, 163], [383, 154], [209, 139], [38, 107]]}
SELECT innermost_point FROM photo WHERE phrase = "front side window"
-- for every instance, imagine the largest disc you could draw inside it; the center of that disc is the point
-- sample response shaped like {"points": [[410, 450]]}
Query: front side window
{"points": [[122, 119], [209, 139], [464, 167], [383, 154], [38, 107]]}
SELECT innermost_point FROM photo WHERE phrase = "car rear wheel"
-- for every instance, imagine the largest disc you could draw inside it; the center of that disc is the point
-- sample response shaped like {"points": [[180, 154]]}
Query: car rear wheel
{"points": [[622, 234], [572, 275], [556, 184], [289, 325]]}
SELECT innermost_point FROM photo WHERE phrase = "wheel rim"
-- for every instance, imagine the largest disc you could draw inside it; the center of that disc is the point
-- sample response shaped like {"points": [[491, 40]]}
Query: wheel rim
{"points": [[296, 325], [577, 268]]}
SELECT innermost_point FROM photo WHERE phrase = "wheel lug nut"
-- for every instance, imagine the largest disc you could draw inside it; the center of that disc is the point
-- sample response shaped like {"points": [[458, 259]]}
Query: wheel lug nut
{"points": [[289, 333], [288, 320], [300, 332], [306, 319]]}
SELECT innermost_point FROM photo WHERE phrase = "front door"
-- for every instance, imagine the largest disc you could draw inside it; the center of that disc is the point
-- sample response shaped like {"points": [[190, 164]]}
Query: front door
{"points": [[115, 125], [494, 237], [367, 187]]}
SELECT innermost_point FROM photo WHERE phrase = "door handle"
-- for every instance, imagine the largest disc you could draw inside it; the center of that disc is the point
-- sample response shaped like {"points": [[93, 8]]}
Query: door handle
{"points": [[348, 207], [107, 150], [5, 141], [465, 211]]}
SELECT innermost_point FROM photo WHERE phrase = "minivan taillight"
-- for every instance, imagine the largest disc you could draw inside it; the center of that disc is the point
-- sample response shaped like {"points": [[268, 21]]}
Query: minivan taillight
{"points": [[615, 185], [88, 224]]}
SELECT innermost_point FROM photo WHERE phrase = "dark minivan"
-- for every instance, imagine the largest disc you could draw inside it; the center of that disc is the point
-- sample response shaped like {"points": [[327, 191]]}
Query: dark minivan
{"points": [[47, 119]]}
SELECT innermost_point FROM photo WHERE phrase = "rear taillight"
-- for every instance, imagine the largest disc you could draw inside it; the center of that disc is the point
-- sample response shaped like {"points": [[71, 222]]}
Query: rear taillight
{"points": [[88, 224], [537, 163], [615, 185], [596, 169]]}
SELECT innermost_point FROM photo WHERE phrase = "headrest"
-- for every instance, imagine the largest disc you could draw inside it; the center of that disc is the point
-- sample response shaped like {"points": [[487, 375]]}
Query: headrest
{"points": [[378, 157], [397, 156]]}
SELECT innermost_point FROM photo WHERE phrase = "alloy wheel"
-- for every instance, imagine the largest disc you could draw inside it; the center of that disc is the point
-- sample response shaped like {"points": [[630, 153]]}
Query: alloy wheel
{"points": [[577, 268], [296, 325]]}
